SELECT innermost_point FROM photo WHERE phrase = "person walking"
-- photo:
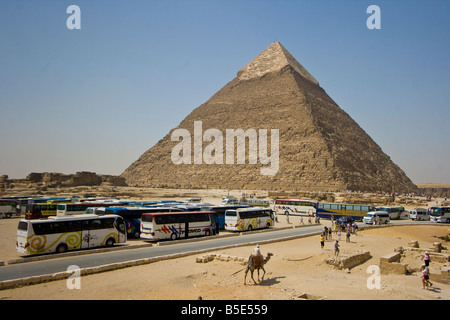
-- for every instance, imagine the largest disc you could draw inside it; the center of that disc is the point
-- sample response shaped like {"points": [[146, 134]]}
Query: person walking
{"points": [[348, 236], [322, 241], [336, 249], [425, 277], [426, 259]]}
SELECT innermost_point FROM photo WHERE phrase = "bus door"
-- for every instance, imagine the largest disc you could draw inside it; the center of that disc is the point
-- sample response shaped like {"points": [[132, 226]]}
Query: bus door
{"points": [[120, 226], [186, 229], [92, 235]]}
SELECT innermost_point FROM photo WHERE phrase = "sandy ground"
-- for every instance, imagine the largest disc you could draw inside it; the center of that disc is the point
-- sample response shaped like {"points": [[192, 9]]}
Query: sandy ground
{"points": [[296, 267]]}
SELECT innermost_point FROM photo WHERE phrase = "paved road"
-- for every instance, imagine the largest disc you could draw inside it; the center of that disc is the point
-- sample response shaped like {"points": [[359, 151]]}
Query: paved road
{"points": [[51, 266]]}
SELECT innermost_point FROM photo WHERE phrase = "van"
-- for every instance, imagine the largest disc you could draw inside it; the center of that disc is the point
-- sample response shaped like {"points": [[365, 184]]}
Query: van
{"points": [[371, 217], [419, 214]]}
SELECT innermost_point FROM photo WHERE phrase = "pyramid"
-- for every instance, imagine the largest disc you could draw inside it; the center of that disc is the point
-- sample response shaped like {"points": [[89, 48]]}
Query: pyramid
{"points": [[312, 143]]}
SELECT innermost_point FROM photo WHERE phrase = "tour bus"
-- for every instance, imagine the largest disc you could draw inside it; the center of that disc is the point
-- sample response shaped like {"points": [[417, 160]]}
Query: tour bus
{"points": [[133, 216], [255, 202], [440, 214], [67, 209], [356, 211], [9, 208], [394, 212], [61, 234], [40, 210], [295, 207], [248, 219], [175, 225], [219, 214]]}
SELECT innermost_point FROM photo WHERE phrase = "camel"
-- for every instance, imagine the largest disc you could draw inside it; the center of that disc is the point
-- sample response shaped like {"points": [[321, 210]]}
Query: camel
{"points": [[257, 263]]}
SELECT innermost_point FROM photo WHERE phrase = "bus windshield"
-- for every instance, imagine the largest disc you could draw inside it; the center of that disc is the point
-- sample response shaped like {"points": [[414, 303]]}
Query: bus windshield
{"points": [[438, 211]]}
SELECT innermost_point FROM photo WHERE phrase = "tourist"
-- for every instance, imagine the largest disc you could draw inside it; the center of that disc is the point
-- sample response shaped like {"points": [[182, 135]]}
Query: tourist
{"points": [[425, 277], [322, 241], [336, 248], [426, 259], [339, 234], [301, 220], [355, 227], [348, 236]]}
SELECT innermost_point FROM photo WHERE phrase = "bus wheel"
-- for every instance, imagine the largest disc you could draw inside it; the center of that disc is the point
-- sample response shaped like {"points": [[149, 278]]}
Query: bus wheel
{"points": [[61, 248], [173, 236], [110, 242], [268, 225], [250, 227], [137, 234], [207, 233]]}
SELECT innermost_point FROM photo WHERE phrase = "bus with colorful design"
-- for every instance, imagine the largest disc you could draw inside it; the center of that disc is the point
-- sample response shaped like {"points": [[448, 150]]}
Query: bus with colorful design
{"points": [[133, 216], [61, 234], [40, 210], [333, 211], [295, 207], [248, 219], [175, 225]]}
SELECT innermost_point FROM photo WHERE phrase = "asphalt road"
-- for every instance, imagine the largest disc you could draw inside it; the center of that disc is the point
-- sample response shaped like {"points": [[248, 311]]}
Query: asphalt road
{"points": [[50, 266]]}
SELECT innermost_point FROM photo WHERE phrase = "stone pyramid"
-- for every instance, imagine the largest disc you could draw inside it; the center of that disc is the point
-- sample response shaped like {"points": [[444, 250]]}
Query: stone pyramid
{"points": [[313, 143]]}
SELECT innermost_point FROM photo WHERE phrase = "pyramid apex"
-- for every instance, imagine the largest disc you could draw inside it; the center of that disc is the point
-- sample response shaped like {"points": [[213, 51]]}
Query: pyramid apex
{"points": [[273, 58]]}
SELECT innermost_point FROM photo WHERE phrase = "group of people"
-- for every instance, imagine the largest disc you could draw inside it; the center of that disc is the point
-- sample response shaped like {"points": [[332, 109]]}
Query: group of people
{"points": [[327, 234]]}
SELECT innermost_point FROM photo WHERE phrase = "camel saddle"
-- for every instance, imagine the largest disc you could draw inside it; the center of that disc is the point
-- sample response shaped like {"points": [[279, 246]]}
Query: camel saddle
{"points": [[258, 261]]}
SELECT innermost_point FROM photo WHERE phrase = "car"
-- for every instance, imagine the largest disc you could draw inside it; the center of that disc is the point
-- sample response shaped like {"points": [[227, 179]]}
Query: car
{"points": [[342, 222], [371, 217]]}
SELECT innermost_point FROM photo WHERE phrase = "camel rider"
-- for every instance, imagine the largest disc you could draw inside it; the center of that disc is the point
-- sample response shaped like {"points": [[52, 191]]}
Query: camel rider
{"points": [[258, 255]]}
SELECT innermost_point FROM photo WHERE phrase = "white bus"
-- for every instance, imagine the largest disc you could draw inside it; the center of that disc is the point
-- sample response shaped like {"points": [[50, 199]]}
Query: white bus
{"points": [[67, 209], [9, 208], [295, 207], [175, 225], [440, 214], [248, 219], [394, 212], [60, 234]]}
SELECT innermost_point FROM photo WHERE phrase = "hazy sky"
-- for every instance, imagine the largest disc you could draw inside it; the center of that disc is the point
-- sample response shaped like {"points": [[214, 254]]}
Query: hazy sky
{"points": [[96, 98]]}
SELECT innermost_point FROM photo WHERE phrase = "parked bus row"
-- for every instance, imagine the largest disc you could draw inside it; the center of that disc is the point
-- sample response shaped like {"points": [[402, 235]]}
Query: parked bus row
{"points": [[60, 234], [328, 210]]}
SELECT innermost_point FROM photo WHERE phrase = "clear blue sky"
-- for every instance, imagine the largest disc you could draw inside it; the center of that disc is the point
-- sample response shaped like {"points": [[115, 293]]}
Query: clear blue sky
{"points": [[95, 99]]}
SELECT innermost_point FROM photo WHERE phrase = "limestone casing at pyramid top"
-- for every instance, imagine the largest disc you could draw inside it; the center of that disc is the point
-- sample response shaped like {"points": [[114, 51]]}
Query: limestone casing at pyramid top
{"points": [[273, 58]]}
